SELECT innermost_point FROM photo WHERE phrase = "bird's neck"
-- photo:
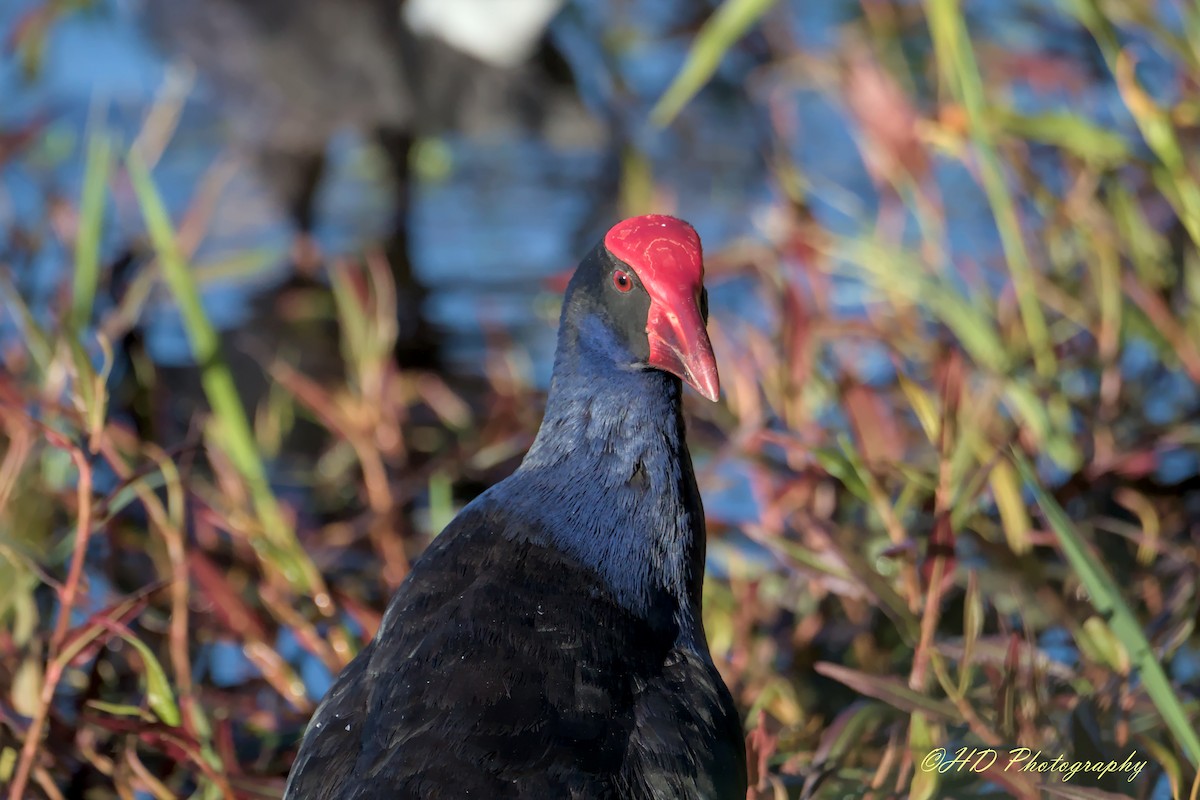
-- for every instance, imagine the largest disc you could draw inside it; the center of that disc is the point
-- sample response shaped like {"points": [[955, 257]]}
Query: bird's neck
{"points": [[622, 497]]}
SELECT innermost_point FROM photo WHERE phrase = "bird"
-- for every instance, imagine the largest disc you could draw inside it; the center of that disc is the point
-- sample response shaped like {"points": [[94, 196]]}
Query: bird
{"points": [[289, 76], [549, 642]]}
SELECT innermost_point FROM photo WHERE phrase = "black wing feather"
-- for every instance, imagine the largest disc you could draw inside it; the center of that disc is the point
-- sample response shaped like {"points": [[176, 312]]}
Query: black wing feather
{"points": [[502, 671]]}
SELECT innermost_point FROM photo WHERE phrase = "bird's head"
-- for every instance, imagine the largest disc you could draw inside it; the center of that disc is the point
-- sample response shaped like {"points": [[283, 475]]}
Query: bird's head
{"points": [[645, 281]]}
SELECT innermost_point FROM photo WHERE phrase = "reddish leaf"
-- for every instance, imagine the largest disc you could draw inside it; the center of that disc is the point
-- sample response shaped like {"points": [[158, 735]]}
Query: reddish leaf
{"points": [[228, 605], [557, 282], [798, 349], [941, 546], [874, 427], [13, 141], [1042, 71], [760, 746], [888, 120]]}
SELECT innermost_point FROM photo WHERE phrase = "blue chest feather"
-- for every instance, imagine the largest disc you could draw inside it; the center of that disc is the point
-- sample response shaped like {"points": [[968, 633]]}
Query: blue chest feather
{"points": [[610, 480]]}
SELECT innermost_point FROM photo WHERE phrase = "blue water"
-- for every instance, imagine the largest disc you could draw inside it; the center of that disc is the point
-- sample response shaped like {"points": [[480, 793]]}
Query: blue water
{"points": [[511, 211]]}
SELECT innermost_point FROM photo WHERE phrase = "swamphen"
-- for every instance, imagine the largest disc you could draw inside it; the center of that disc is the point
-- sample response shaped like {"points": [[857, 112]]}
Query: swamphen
{"points": [[549, 643]]}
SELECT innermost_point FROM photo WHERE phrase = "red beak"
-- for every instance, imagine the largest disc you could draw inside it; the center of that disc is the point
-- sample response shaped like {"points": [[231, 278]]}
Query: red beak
{"points": [[679, 345]]}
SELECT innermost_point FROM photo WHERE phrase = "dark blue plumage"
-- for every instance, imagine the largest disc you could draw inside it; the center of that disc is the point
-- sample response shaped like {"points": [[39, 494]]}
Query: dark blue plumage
{"points": [[549, 642]]}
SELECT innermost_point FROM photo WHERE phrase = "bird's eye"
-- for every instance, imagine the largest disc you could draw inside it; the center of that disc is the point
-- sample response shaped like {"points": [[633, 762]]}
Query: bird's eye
{"points": [[622, 281]]}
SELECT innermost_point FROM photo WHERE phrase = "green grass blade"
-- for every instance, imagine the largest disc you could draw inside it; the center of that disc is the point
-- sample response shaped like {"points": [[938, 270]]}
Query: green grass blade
{"points": [[719, 33], [956, 60], [898, 272], [91, 222], [1154, 123], [1109, 604], [279, 544], [1098, 146], [37, 341], [892, 691], [159, 695], [441, 502]]}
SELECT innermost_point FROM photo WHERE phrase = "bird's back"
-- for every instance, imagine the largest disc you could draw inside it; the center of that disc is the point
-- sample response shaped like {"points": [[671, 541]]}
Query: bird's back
{"points": [[504, 669]]}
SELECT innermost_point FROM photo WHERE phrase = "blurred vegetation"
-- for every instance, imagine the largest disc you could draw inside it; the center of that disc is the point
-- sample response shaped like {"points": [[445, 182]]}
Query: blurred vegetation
{"points": [[991, 542]]}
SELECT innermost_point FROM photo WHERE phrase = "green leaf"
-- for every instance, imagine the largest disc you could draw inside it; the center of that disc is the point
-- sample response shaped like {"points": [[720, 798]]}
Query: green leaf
{"points": [[1076, 134], [1006, 489], [1166, 759], [432, 159], [8, 760], [637, 183], [121, 710], [158, 688], [37, 343], [1107, 646], [779, 695], [441, 502], [1147, 247], [960, 72], [901, 274], [719, 33], [91, 387], [840, 466], [278, 545], [1110, 605], [27, 686], [922, 739], [91, 223], [844, 736], [151, 481], [1154, 123], [972, 627]]}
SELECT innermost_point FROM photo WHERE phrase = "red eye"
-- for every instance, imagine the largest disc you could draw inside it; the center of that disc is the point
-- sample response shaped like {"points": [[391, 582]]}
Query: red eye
{"points": [[622, 281]]}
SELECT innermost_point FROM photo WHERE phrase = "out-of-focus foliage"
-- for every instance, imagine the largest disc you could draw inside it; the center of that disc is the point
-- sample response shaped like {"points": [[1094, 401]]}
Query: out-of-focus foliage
{"points": [[975, 480]]}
